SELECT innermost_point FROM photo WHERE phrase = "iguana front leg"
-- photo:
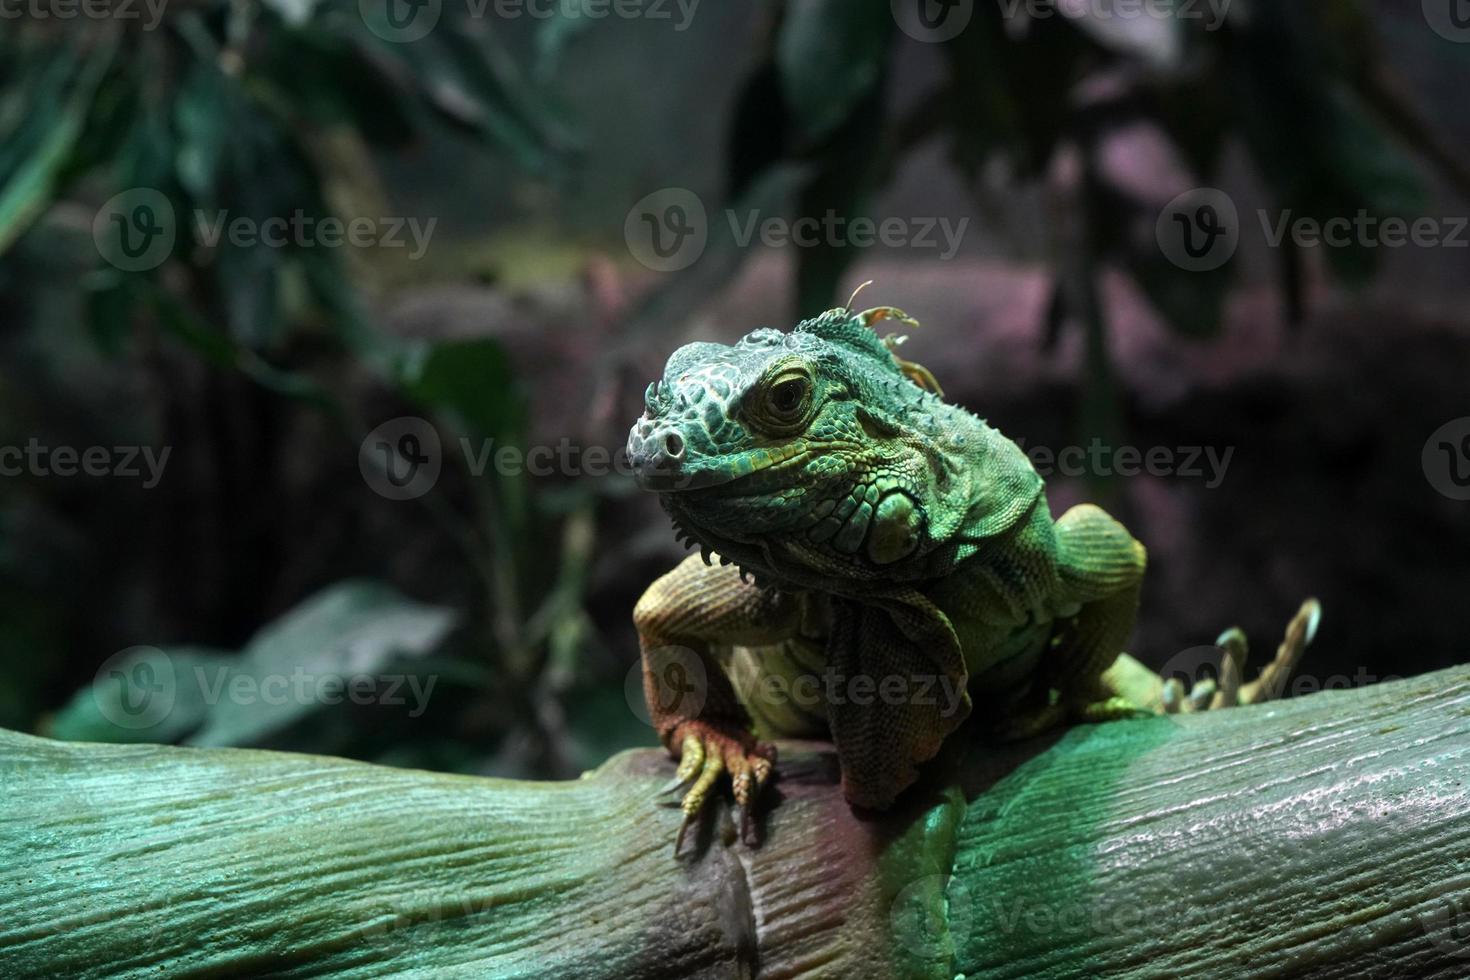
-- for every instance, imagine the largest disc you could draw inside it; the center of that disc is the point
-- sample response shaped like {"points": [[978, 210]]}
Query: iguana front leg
{"points": [[681, 619], [1099, 570]]}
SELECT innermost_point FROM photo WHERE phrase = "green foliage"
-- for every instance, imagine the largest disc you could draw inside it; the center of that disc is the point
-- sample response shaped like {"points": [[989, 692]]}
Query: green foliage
{"points": [[1299, 88], [228, 108], [354, 629], [243, 110]]}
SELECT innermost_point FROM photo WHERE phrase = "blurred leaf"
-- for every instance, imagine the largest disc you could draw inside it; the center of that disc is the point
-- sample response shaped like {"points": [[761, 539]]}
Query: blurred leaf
{"points": [[219, 351], [331, 80], [759, 129], [472, 84], [205, 116], [50, 137], [1014, 95], [351, 629], [93, 712], [111, 303], [569, 21], [831, 54], [294, 12], [1156, 38], [1321, 154], [473, 381], [1193, 303]]}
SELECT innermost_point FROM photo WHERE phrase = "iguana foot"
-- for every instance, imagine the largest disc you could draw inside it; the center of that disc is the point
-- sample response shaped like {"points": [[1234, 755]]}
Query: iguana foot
{"points": [[708, 750], [1228, 690]]}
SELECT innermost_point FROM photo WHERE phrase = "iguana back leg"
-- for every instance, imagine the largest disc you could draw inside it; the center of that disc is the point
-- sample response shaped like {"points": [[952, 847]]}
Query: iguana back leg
{"points": [[681, 619]]}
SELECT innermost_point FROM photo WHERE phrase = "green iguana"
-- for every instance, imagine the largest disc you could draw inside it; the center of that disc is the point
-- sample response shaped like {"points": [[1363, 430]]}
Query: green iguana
{"points": [[887, 563]]}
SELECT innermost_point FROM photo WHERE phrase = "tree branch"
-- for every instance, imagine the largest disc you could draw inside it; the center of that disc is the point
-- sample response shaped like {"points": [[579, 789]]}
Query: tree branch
{"points": [[1324, 836]]}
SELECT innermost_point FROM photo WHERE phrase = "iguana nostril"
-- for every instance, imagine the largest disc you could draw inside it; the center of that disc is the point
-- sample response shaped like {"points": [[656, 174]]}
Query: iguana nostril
{"points": [[674, 446]]}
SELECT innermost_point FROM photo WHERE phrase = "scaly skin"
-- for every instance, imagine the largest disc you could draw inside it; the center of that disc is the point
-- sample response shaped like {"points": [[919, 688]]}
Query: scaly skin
{"points": [[892, 550]]}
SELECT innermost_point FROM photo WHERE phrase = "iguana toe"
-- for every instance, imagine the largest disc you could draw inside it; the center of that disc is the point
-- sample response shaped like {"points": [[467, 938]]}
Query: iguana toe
{"points": [[708, 751]]}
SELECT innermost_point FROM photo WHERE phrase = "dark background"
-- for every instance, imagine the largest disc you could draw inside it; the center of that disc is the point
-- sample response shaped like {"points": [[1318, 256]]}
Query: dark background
{"points": [[530, 320]]}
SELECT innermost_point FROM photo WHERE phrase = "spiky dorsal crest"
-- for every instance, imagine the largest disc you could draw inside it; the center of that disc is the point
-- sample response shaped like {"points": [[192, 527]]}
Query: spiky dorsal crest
{"points": [[859, 332]]}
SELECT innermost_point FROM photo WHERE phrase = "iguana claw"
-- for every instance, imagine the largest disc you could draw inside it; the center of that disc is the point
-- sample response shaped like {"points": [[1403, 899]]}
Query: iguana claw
{"points": [[1229, 690], [708, 751]]}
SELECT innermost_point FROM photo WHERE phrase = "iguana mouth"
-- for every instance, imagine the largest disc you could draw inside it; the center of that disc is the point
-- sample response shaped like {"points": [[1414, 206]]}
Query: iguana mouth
{"points": [[662, 462]]}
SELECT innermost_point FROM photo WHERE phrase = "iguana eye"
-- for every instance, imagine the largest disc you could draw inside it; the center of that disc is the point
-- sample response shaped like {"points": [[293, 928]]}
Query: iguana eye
{"points": [[788, 397]]}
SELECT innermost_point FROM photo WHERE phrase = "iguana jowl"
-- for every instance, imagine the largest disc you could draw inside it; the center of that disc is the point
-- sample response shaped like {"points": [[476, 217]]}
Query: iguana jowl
{"points": [[869, 533]]}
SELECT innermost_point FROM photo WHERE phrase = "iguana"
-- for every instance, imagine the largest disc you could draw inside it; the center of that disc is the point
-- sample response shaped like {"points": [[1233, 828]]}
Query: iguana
{"points": [[887, 564]]}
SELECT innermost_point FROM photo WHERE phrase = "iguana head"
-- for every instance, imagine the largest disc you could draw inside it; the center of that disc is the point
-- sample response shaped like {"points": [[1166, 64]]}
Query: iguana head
{"points": [[817, 458]]}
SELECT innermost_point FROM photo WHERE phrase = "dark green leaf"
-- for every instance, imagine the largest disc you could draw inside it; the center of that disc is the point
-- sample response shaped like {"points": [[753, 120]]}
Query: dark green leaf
{"points": [[832, 55], [351, 629]]}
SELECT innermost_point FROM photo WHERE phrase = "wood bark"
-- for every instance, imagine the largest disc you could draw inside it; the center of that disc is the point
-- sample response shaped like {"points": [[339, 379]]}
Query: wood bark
{"points": [[1324, 836]]}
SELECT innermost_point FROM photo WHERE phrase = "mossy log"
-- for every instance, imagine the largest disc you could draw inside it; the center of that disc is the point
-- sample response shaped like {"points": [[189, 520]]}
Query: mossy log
{"points": [[1325, 836]]}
